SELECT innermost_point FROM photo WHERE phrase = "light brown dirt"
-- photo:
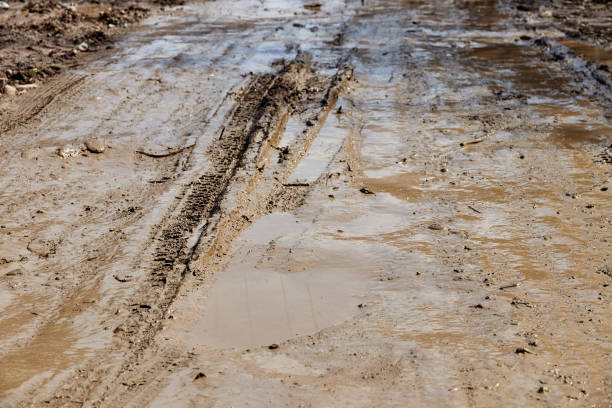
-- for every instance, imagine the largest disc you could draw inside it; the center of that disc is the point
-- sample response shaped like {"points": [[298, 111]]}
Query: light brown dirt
{"points": [[346, 204]]}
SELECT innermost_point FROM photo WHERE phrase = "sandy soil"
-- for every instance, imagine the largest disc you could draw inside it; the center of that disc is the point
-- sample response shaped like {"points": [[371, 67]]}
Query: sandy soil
{"points": [[285, 203]]}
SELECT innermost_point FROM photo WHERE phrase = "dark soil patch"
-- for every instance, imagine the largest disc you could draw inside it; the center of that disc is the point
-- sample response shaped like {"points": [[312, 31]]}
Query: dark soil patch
{"points": [[40, 38]]}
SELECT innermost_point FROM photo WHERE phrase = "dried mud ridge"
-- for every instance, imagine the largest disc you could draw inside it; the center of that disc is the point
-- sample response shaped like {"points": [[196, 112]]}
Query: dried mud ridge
{"points": [[251, 131]]}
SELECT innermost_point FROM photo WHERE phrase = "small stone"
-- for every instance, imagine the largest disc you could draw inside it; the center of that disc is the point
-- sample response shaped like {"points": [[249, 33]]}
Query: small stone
{"points": [[364, 190], [435, 227], [83, 46], [545, 13], [4, 5], [68, 151], [95, 145], [10, 90], [200, 375], [273, 346]]}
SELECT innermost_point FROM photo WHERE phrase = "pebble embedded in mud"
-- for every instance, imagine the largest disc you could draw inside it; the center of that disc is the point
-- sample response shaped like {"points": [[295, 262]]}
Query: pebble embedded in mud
{"points": [[95, 145], [68, 151], [10, 90], [4, 5]]}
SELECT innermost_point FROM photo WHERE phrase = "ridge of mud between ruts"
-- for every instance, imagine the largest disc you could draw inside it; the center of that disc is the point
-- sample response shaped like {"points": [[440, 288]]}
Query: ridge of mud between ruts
{"points": [[195, 235]]}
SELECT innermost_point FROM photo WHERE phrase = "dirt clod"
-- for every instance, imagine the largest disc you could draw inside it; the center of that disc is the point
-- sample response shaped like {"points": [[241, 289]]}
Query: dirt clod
{"points": [[95, 145]]}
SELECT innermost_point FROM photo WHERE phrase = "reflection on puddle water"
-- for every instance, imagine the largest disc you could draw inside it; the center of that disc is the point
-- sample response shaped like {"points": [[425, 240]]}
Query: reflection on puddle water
{"points": [[269, 294], [249, 307]]}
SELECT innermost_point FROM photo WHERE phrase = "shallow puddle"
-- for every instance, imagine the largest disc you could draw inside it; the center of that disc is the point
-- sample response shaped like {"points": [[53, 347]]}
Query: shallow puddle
{"points": [[274, 289]]}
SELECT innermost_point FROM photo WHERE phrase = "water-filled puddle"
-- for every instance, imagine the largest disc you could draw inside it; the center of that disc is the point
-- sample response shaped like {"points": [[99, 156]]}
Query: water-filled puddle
{"points": [[277, 290]]}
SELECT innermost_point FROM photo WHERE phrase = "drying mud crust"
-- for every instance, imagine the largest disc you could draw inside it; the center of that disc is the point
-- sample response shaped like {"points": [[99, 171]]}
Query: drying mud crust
{"points": [[290, 203]]}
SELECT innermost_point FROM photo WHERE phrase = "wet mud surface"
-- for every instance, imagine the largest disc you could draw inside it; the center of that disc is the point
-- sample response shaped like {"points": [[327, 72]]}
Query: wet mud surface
{"points": [[283, 203]]}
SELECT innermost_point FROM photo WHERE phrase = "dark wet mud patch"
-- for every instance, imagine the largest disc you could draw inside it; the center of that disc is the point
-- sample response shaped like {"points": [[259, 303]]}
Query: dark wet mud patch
{"points": [[573, 136]]}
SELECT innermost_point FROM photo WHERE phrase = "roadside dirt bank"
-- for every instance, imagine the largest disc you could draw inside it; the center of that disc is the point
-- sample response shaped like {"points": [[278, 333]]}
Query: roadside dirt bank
{"points": [[42, 38], [378, 203]]}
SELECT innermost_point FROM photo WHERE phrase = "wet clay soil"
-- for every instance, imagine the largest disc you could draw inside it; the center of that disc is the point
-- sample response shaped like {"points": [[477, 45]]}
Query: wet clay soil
{"points": [[378, 203]]}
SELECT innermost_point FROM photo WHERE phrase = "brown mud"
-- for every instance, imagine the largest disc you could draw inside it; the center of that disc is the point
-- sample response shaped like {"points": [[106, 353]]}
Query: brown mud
{"points": [[351, 203], [43, 37]]}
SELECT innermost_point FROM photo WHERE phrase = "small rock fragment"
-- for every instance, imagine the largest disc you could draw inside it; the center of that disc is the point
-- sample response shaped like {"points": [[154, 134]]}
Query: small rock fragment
{"points": [[83, 46], [545, 13], [273, 346], [365, 191], [522, 350], [4, 5], [199, 375], [10, 90], [68, 151], [435, 227], [95, 145]]}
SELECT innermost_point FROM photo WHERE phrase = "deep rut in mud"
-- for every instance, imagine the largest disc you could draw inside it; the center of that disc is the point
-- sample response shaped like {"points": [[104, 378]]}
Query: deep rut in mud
{"points": [[252, 128]]}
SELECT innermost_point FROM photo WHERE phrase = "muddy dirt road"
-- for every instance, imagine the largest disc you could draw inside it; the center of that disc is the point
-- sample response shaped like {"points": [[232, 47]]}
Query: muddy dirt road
{"points": [[281, 203]]}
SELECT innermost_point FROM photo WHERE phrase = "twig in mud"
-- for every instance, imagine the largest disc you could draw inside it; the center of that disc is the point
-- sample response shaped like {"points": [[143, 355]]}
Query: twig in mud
{"points": [[296, 185], [513, 285], [473, 209], [221, 134], [471, 142], [165, 154]]}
